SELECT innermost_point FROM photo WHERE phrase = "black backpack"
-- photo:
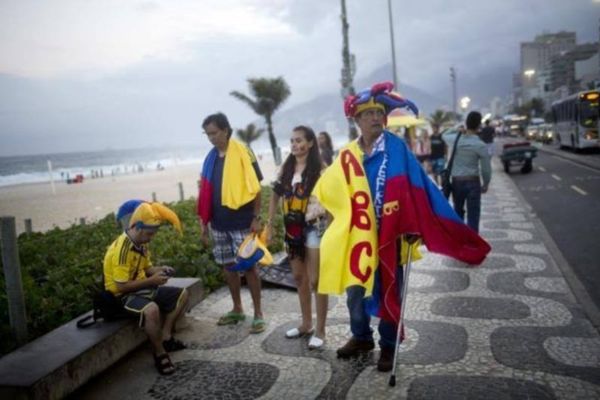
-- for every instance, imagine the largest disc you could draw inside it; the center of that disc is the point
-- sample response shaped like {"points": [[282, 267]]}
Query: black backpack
{"points": [[106, 307]]}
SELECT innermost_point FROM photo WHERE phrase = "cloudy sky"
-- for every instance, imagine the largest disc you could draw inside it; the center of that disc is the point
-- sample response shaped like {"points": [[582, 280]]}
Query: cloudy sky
{"points": [[95, 74]]}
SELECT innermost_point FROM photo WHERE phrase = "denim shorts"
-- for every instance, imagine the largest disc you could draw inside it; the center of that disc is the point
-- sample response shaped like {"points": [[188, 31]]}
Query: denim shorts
{"points": [[313, 240], [437, 165]]}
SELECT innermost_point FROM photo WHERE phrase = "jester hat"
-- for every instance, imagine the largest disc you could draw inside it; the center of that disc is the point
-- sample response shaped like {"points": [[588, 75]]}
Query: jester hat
{"points": [[152, 215], [252, 251], [126, 210], [379, 96]]}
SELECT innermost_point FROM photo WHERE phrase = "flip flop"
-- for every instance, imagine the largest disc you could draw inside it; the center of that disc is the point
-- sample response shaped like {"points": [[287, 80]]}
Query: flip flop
{"points": [[163, 364], [231, 318], [258, 325]]}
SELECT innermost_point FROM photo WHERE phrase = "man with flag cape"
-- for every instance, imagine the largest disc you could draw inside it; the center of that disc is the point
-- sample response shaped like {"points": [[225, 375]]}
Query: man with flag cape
{"points": [[229, 207], [381, 199]]}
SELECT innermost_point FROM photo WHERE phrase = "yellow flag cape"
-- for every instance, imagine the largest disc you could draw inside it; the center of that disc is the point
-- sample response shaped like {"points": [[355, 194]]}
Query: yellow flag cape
{"points": [[240, 183], [349, 246]]}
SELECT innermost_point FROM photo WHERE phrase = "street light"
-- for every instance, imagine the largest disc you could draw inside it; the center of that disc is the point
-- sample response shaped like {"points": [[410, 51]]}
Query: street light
{"points": [[464, 103], [529, 73]]}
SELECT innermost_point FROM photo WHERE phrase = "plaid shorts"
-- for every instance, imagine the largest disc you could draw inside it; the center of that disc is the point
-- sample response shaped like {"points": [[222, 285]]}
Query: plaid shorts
{"points": [[226, 244]]}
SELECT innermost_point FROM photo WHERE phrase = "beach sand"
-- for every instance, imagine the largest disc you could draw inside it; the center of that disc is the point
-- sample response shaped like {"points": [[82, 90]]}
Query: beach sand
{"points": [[95, 198]]}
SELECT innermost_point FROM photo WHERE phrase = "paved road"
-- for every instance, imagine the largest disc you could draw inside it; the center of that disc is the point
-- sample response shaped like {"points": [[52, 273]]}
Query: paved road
{"points": [[564, 192], [510, 329]]}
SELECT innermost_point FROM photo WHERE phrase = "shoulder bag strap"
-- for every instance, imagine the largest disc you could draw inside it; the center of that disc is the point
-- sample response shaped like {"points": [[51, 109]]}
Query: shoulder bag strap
{"points": [[451, 161]]}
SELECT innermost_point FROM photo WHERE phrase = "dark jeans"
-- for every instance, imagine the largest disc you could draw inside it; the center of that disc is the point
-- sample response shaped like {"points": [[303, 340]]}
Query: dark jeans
{"points": [[360, 320], [468, 191]]}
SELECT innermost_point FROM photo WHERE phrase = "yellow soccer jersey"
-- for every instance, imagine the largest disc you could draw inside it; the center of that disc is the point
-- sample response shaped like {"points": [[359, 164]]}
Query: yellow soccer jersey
{"points": [[124, 262]]}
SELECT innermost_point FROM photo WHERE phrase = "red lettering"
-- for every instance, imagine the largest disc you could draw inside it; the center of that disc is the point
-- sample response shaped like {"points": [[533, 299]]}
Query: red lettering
{"points": [[360, 216], [348, 160], [357, 250]]}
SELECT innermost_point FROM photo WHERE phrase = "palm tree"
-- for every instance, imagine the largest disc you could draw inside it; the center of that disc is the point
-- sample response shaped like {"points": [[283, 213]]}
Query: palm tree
{"points": [[440, 118], [250, 134], [268, 94]]}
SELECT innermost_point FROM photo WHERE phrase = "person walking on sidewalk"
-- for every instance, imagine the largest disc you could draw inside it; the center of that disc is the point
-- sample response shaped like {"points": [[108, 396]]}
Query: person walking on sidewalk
{"points": [[131, 277], [471, 172], [295, 182], [487, 136], [439, 152], [380, 200], [229, 207]]}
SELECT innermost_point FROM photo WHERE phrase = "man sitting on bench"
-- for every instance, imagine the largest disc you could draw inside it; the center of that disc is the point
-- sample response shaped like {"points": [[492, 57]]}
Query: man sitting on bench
{"points": [[129, 274]]}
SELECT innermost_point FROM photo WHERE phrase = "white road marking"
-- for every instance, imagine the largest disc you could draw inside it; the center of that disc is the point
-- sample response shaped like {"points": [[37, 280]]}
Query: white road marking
{"points": [[542, 169], [558, 178], [578, 190]]}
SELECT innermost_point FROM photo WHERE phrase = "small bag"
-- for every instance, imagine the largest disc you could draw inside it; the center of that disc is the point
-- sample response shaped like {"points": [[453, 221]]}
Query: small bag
{"points": [[446, 174], [446, 183], [106, 307]]}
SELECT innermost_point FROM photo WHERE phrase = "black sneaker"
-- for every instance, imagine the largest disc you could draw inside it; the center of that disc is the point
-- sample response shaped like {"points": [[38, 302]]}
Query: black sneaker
{"points": [[386, 359], [355, 347]]}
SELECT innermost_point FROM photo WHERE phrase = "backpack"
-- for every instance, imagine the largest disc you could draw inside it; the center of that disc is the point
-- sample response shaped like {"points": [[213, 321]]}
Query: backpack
{"points": [[106, 307]]}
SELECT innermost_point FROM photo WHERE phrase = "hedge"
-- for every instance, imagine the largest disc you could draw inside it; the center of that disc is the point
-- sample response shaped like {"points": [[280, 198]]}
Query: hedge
{"points": [[61, 268]]}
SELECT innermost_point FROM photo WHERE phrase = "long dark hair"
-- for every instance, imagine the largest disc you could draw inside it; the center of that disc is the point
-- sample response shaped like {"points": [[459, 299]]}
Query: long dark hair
{"points": [[328, 142], [311, 173]]}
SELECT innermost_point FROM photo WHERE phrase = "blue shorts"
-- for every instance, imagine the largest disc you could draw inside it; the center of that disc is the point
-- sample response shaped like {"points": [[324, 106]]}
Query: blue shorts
{"points": [[438, 165]]}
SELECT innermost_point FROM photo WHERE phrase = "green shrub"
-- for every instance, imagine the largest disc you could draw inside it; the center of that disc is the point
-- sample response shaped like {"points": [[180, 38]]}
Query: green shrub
{"points": [[61, 268]]}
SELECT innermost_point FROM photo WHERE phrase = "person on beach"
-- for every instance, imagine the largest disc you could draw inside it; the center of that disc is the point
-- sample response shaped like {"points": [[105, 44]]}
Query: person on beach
{"points": [[326, 147], [229, 208], [295, 181], [471, 172], [130, 276], [381, 201]]}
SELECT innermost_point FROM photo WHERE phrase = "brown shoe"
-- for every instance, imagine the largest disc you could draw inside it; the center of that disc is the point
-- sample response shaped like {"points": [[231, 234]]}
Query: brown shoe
{"points": [[386, 359], [355, 347]]}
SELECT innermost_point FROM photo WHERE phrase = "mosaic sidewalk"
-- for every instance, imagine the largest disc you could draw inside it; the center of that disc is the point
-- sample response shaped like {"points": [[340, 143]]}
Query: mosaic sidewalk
{"points": [[510, 329]]}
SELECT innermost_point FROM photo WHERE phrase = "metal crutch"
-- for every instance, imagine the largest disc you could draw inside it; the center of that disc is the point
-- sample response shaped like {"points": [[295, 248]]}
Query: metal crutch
{"points": [[392, 381]]}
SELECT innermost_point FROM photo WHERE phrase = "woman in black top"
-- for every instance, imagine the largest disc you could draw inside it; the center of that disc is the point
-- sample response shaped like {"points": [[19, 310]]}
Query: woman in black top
{"points": [[296, 180]]}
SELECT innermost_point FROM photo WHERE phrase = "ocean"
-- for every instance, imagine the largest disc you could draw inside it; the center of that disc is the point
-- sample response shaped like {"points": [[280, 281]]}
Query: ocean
{"points": [[15, 170]]}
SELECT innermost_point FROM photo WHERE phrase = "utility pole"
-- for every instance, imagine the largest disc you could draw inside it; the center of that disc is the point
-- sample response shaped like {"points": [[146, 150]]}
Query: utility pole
{"points": [[393, 46], [453, 80], [348, 70]]}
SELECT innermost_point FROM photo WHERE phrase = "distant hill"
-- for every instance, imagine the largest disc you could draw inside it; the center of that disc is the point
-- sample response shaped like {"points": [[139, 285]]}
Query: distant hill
{"points": [[325, 111]]}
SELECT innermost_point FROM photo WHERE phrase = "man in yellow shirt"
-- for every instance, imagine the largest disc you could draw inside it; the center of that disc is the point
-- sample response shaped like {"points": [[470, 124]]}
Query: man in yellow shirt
{"points": [[129, 275]]}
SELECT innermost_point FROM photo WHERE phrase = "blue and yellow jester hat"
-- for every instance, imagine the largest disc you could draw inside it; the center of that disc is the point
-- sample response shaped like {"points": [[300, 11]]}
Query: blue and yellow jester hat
{"points": [[252, 250], [152, 216], [379, 96]]}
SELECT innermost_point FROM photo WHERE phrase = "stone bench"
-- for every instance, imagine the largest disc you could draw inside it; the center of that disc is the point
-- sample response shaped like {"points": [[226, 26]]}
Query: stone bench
{"points": [[54, 365]]}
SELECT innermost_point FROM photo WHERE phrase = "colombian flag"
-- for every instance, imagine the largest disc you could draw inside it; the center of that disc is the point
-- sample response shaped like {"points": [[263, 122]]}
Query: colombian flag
{"points": [[412, 205], [240, 184]]}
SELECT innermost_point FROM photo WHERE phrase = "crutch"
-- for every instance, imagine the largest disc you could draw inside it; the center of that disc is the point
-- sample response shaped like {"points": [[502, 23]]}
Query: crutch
{"points": [[403, 299]]}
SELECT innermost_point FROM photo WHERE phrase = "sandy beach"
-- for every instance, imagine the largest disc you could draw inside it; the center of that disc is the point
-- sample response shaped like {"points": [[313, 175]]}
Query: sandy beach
{"points": [[95, 198]]}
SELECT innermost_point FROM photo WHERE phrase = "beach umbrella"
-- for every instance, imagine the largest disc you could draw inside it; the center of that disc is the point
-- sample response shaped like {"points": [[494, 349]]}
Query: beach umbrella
{"points": [[397, 121]]}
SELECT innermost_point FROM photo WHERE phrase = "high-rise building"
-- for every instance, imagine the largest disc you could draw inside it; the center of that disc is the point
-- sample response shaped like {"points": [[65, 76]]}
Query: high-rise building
{"points": [[535, 60]]}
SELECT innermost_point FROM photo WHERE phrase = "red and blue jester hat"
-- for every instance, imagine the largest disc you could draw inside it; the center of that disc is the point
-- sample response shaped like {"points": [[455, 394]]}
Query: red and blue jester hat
{"points": [[381, 96]]}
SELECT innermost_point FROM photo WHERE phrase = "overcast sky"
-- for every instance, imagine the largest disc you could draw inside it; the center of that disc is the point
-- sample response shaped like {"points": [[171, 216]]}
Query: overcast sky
{"points": [[94, 74]]}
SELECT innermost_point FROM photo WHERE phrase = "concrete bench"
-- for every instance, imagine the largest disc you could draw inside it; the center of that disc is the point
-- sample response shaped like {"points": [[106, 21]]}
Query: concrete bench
{"points": [[54, 365]]}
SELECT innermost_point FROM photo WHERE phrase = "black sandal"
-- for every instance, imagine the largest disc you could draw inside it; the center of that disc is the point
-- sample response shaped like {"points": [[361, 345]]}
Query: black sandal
{"points": [[173, 345], [163, 364]]}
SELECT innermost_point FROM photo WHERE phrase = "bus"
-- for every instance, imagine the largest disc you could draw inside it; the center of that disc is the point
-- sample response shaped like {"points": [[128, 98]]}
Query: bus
{"points": [[576, 120]]}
